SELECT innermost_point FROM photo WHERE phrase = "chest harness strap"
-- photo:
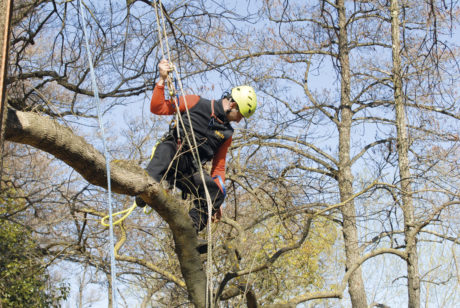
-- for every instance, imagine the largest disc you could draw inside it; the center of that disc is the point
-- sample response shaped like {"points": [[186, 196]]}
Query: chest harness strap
{"points": [[214, 117]]}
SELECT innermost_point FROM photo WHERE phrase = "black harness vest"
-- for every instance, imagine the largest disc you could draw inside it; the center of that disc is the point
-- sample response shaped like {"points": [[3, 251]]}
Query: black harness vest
{"points": [[211, 129]]}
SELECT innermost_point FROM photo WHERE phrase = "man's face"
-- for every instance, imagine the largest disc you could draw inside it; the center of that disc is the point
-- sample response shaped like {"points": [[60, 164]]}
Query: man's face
{"points": [[234, 113]]}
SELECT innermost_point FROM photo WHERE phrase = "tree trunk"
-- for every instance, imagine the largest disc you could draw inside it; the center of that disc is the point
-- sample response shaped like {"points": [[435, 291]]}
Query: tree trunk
{"points": [[413, 278], [6, 9], [345, 177]]}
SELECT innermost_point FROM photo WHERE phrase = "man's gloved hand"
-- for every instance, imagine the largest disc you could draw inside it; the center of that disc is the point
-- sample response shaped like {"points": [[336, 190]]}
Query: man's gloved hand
{"points": [[140, 202]]}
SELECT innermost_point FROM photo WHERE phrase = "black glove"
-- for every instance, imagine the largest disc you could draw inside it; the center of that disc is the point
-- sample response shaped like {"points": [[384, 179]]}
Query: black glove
{"points": [[140, 202]]}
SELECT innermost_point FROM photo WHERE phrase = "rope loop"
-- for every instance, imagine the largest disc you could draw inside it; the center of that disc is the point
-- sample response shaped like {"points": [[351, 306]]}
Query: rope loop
{"points": [[128, 211]]}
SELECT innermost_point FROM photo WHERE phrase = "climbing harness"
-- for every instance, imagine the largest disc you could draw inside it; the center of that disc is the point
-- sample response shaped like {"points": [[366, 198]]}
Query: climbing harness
{"points": [[214, 118], [106, 155]]}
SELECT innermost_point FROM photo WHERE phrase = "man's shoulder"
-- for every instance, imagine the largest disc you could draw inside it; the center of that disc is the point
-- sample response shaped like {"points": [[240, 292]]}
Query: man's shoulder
{"points": [[192, 98]]}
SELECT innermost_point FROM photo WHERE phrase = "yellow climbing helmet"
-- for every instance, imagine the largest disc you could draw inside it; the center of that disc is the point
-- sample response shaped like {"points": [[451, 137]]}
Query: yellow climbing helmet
{"points": [[245, 97]]}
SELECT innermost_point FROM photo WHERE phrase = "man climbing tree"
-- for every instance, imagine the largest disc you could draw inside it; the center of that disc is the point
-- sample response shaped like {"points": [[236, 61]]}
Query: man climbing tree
{"points": [[208, 123]]}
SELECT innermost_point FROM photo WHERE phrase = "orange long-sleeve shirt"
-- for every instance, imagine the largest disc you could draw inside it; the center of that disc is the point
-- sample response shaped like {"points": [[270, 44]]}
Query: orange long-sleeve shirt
{"points": [[160, 106]]}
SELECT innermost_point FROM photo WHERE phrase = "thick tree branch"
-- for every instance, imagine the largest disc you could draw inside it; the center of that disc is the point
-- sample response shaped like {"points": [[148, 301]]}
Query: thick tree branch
{"points": [[127, 178]]}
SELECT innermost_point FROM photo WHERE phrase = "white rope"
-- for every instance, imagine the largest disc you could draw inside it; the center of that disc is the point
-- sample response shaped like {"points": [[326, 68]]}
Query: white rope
{"points": [[196, 156], [209, 202], [246, 288], [160, 38], [113, 270]]}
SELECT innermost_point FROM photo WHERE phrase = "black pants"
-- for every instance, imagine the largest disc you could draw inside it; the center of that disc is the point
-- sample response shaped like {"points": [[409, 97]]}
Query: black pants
{"points": [[178, 168]]}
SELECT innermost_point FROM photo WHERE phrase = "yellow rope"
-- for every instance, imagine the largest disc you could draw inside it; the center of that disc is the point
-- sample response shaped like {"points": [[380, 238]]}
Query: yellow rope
{"points": [[127, 211], [148, 210]]}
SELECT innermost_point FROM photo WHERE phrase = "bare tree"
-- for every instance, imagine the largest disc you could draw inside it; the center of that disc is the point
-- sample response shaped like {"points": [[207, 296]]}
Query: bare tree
{"points": [[402, 140], [53, 83], [414, 223]]}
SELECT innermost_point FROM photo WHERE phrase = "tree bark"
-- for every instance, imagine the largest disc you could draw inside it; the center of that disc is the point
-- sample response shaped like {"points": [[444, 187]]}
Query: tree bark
{"points": [[129, 179], [6, 10], [345, 176], [413, 278]]}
